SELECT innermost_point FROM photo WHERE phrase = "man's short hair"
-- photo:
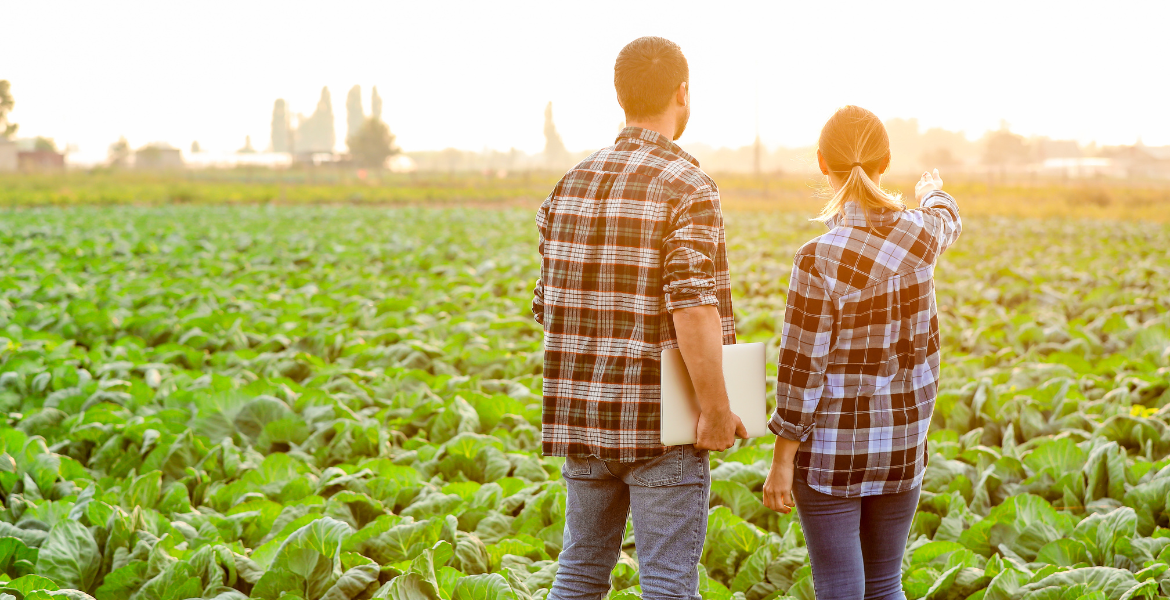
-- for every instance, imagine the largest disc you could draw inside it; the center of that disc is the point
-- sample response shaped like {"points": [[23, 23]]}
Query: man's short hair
{"points": [[647, 73]]}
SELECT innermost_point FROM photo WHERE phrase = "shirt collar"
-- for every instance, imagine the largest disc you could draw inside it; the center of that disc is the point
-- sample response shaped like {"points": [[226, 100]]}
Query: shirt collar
{"points": [[653, 137], [852, 215]]}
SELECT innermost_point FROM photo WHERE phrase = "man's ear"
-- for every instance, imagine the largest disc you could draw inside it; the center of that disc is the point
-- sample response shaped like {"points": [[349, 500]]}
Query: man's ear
{"points": [[681, 94], [821, 162]]}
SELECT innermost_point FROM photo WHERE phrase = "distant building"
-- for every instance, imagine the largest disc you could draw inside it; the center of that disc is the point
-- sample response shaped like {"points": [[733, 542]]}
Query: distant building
{"points": [[1046, 148], [401, 163], [8, 159], [1142, 161], [158, 157], [1081, 167], [40, 160]]}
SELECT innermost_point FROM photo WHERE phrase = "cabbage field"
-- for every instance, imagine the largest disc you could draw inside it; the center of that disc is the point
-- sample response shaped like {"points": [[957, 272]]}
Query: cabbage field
{"points": [[320, 402]]}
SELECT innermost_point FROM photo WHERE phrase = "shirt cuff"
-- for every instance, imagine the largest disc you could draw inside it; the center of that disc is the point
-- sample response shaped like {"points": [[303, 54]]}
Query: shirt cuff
{"points": [[788, 430], [690, 293], [944, 199], [682, 300]]}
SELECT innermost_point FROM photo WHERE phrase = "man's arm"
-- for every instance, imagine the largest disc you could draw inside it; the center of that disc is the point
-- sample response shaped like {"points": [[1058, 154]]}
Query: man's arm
{"points": [[700, 340], [541, 224], [689, 286]]}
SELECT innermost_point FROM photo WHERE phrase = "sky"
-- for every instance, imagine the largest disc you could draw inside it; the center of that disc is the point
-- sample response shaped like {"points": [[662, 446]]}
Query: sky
{"points": [[476, 75]]}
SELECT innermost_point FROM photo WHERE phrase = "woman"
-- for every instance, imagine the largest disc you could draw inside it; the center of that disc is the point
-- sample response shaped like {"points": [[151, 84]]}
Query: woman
{"points": [[859, 363]]}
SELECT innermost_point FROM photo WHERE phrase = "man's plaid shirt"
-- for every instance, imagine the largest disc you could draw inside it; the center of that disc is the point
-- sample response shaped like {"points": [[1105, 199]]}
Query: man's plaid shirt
{"points": [[629, 235], [859, 352]]}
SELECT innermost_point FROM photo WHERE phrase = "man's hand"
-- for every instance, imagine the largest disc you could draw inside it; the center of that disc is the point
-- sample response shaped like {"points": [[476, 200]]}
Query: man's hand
{"points": [[778, 487], [700, 342], [717, 430], [927, 184]]}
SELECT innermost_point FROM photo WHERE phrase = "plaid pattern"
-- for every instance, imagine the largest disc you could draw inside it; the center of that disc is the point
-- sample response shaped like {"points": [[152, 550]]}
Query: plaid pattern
{"points": [[629, 235], [859, 352]]}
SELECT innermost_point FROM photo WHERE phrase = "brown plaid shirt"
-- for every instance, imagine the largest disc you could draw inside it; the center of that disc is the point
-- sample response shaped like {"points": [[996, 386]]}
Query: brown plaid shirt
{"points": [[627, 236], [859, 352]]}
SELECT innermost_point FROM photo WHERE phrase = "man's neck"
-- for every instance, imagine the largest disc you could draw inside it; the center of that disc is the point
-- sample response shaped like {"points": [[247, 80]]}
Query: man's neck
{"points": [[664, 125]]}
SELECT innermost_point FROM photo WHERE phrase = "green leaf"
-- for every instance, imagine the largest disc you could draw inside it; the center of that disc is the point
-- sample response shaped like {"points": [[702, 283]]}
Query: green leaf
{"points": [[1006, 585], [14, 552], [276, 581], [1056, 457], [70, 556], [471, 555], [122, 583], [738, 498], [403, 542], [489, 586], [1114, 582], [934, 550], [352, 582], [1063, 553], [313, 552], [29, 583]]}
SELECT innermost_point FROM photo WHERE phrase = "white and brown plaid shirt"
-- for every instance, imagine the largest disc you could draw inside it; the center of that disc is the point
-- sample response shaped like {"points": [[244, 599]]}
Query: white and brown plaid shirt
{"points": [[629, 235], [859, 351]]}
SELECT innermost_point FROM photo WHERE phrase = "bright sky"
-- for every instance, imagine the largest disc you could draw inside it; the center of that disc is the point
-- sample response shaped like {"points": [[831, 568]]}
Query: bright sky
{"points": [[477, 75]]}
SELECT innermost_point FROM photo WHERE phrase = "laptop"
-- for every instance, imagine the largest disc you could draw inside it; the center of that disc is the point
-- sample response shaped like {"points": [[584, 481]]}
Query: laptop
{"points": [[743, 371]]}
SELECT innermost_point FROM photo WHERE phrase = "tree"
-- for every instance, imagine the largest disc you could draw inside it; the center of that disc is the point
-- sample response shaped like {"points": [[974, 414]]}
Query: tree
{"points": [[7, 103], [44, 144], [372, 144], [554, 149], [119, 153], [281, 130], [938, 158], [375, 104], [316, 133], [195, 149], [355, 115], [1004, 148], [247, 149]]}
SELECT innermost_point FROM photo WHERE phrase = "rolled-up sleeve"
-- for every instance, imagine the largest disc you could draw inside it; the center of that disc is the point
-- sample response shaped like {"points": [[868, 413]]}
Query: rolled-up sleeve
{"points": [[806, 342], [688, 251], [541, 225]]}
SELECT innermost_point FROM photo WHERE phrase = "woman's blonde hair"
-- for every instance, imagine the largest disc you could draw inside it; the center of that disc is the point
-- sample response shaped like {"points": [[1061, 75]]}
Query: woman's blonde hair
{"points": [[855, 144]]}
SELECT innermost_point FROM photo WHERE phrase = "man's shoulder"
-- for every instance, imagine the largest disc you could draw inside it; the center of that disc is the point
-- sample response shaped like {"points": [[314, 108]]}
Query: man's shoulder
{"points": [[674, 172]]}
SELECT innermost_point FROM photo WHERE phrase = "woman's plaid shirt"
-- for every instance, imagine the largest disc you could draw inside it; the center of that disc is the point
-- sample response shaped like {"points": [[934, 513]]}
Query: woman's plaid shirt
{"points": [[859, 352], [627, 236]]}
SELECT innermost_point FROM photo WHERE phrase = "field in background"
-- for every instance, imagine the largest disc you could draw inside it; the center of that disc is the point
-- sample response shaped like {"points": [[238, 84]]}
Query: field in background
{"points": [[1017, 196], [306, 402]]}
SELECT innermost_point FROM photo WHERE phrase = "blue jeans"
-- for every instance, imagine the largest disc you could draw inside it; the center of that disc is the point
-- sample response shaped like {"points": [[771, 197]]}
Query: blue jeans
{"points": [[667, 498], [855, 544]]}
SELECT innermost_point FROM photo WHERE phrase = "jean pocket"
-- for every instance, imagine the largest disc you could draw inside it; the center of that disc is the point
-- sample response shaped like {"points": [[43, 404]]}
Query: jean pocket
{"points": [[663, 470], [576, 466]]}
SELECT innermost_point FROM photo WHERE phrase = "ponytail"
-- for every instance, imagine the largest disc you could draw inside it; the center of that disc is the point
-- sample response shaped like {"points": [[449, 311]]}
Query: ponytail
{"points": [[855, 143]]}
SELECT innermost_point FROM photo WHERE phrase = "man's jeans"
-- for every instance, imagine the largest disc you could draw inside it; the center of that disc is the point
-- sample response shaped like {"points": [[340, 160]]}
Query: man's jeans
{"points": [[667, 498], [855, 544]]}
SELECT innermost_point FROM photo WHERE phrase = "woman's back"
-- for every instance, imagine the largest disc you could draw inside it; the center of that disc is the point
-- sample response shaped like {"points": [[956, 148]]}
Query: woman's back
{"points": [[861, 344], [859, 364]]}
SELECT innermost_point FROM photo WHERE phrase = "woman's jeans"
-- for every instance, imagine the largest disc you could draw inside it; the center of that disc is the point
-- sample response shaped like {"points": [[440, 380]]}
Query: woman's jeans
{"points": [[855, 544], [667, 498]]}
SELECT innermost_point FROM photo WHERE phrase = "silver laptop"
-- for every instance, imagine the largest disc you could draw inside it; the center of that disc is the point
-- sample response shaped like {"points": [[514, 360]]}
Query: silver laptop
{"points": [[743, 370]]}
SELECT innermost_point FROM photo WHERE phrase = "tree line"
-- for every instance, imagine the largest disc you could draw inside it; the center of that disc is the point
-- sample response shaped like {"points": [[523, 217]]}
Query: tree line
{"points": [[367, 137]]}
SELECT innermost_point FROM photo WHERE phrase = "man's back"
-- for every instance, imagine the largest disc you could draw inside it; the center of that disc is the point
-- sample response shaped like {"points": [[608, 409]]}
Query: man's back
{"points": [[629, 235]]}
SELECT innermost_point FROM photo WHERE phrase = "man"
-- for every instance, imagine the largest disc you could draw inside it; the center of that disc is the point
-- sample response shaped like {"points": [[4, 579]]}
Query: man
{"points": [[634, 261]]}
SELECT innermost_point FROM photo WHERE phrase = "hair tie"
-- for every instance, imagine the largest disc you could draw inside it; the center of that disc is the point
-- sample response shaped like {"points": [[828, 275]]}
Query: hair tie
{"points": [[856, 164]]}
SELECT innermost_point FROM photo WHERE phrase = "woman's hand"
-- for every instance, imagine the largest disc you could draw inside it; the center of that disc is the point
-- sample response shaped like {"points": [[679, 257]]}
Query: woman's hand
{"points": [[778, 487], [927, 184]]}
